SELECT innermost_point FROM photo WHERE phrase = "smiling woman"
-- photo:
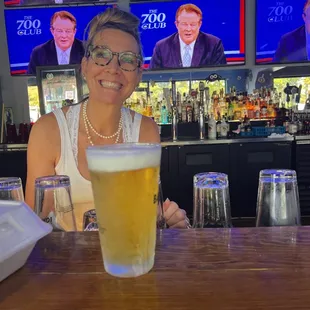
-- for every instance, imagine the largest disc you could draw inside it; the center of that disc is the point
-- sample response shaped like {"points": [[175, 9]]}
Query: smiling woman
{"points": [[112, 69]]}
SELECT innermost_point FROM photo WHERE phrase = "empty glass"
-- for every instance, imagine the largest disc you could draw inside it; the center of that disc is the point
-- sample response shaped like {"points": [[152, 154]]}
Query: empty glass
{"points": [[211, 200], [11, 189], [53, 202], [278, 198]]}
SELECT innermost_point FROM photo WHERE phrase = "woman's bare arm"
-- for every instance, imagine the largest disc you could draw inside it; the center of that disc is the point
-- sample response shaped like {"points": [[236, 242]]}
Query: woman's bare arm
{"points": [[43, 147]]}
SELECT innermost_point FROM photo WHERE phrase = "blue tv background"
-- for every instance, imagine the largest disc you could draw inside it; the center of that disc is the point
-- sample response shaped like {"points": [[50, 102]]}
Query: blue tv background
{"points": [[21, 42], [220, 18], [272, 23]]}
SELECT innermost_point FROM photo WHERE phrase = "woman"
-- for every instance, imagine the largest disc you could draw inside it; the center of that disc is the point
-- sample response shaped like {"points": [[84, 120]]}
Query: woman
{"points": [[112, 68]]}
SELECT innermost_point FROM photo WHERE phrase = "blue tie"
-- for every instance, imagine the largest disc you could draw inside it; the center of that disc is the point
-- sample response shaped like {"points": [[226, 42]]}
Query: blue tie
{"points": [[187, 57]]}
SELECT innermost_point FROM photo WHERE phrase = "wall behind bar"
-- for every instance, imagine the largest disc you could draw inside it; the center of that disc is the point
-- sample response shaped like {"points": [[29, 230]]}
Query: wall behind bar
{"points": [[14, 89]]}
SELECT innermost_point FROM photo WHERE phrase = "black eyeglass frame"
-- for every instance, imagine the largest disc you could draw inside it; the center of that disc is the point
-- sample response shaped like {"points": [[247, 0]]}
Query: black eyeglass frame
{"points": [[92, 48]]}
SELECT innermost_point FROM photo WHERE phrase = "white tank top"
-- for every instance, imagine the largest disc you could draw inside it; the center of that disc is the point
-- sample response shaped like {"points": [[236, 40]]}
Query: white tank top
{"points": [[82, 196]]}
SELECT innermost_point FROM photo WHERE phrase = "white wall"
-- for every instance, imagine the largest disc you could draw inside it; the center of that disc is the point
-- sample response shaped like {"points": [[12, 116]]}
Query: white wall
{"points": [[14, 89]]}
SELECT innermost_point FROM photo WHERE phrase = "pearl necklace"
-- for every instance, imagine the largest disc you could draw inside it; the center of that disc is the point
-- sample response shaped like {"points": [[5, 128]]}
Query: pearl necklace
{"points": [[87, 123]]}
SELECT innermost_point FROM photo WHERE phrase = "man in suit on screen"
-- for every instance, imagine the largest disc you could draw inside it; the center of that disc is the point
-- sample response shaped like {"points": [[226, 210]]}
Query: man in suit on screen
{"points": [[63, 49], [188, 47], [295, 45]]}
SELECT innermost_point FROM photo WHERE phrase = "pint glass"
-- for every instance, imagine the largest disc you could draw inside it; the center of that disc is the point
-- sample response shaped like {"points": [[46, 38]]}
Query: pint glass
{"points": [[124, 179]]}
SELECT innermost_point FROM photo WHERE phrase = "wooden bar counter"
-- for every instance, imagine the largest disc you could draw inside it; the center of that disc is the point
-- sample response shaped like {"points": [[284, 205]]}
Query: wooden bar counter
{"points": [[238, 268]]}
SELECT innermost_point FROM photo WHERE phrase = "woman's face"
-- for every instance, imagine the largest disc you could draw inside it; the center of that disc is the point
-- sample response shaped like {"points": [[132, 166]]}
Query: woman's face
{"points": [[111, 84]]}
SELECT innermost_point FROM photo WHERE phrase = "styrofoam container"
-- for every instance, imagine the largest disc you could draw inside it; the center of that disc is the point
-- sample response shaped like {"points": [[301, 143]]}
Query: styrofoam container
{"points": [[20, 229]]}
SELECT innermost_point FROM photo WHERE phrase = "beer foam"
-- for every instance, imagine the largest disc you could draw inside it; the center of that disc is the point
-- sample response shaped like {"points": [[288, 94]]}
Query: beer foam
{"points": [[123, 157]]}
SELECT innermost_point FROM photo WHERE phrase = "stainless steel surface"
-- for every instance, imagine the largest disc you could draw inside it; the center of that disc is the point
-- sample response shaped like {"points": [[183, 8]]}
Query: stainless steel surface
{"points": [[226, 141], [174, 127], [13, 147], [17, 147], [304, 137], [299, 142], [202, 126]]}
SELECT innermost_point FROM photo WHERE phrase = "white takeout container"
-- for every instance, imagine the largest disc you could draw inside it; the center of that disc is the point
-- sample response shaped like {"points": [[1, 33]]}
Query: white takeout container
{"points": [[20, 229]]}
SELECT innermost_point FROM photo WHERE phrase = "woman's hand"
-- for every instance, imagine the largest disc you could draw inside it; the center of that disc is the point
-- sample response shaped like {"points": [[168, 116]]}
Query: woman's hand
{"points": [[174, 216]]}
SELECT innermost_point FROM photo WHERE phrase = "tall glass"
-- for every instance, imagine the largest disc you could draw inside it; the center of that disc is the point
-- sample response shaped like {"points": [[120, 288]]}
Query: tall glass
{"points": [[53, 203], [278, 198], [161, 222], [124, 179], [11, 189]]}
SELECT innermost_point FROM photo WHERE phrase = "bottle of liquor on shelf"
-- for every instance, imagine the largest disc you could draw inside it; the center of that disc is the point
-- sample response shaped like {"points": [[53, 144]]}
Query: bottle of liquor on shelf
{"points": [[183, 109], [157, 114], [189, 111], [212, 128], [218, 126], [224, 128], [223, 103], [164, 115]]}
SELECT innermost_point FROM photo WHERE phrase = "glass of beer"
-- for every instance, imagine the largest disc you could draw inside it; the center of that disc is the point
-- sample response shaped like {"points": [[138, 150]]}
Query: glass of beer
{"points": [[124, 179]]}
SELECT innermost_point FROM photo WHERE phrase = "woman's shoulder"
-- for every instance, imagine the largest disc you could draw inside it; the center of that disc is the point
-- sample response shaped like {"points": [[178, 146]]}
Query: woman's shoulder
{"points": [[145, 119], [149, 131]]}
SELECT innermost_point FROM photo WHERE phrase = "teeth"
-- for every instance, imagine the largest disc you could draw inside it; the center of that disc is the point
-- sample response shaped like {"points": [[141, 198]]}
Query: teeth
{"points": [[110, 85]]}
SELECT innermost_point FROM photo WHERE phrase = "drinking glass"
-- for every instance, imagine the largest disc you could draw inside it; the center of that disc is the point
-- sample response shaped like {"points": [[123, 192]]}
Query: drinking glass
{"points": [[11, 189], [53, 202], [125, 186], [278, 198], [211, 200], [90, 217], [161, 222]]}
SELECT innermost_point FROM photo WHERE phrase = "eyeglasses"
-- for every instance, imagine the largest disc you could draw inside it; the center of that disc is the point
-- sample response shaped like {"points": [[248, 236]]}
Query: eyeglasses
{"points": [[61, 31], [102, 56]]}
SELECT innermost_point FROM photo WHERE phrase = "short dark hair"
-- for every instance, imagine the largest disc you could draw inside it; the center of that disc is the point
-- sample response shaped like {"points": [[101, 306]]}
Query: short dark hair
{"points": [[113, 18]]}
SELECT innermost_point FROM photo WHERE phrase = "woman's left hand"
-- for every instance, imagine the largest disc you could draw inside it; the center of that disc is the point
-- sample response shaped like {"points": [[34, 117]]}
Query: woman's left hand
{"points": [[174, 216]]}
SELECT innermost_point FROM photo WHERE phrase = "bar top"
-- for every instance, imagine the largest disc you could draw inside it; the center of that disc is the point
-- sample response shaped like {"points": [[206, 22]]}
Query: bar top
{"points": [[225, 141], [235, 269], [169, 142]]}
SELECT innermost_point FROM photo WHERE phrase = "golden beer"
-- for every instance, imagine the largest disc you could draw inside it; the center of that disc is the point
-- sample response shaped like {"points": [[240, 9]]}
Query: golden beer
{"points": [[125, 185]]}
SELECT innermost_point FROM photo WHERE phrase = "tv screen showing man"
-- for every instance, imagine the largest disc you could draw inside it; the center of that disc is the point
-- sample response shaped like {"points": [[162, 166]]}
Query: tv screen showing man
{"points": [[63, 48], [294, 46], [10, 3], [188, 47]]}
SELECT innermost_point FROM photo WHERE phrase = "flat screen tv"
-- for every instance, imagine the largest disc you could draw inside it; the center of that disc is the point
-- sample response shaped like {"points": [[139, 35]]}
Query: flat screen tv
{"points": [[31, 41], [282, 31], [12, 3], [204, 33]]}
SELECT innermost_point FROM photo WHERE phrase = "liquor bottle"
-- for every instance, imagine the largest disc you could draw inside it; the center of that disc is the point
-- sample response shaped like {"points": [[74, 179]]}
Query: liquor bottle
{"points": [[164, 115], [212, 128]]}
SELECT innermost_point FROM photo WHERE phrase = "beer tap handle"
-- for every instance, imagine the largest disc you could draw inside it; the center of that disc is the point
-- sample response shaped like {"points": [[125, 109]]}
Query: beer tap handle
{"points": [[201, 91]]}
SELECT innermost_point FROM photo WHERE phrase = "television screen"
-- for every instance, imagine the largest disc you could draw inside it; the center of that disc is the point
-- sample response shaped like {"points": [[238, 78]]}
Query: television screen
{"points": [[33, 42], [10, 3], [197, 33], [282, 31]]}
